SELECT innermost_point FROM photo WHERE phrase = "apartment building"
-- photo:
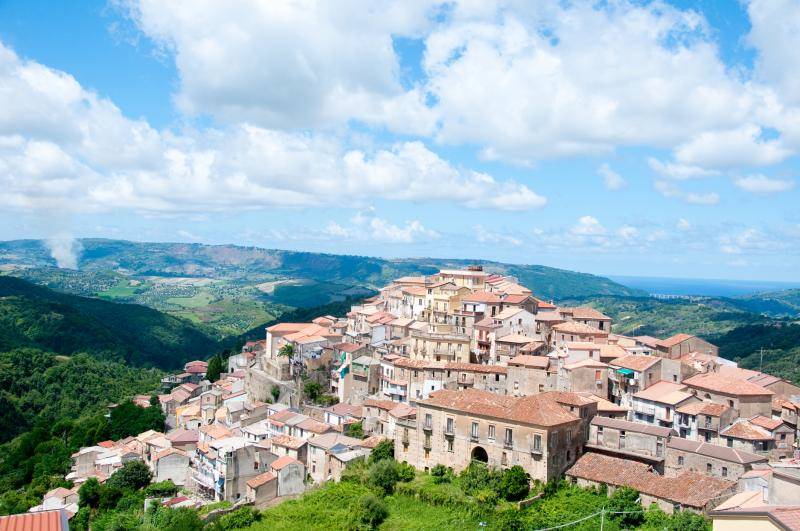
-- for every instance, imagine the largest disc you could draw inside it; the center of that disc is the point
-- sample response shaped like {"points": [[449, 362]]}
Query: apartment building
{"points": [[702, 421], [543, 433], [710, 459], [629, 440], [745, 398]]}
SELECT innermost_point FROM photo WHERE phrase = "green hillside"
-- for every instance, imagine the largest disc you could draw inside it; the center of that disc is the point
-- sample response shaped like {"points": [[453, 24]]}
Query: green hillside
{"points": [[32, 316]]}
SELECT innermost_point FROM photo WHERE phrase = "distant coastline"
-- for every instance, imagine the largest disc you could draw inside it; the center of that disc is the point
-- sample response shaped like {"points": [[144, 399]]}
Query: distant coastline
{"points": [[701, 287]]}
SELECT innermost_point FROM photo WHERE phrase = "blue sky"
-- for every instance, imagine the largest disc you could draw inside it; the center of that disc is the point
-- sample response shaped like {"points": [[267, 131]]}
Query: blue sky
{"points": [[620, 138]]}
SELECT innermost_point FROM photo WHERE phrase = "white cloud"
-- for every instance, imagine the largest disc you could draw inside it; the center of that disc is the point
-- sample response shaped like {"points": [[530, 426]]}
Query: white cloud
{"points": [[775, 33], [290, 64], [742, 146], [678, 172], [627, 232], [611, 179], [484, 235], [761, 184], [683, 224], [70, 150], [671, 190], [588, 226]]}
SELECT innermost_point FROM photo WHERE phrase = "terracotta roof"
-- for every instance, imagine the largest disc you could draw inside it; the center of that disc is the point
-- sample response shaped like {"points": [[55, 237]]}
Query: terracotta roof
{"points": [[533, 346], [635, 362], [690, 489], [703, 408], [344, 409], [554, 317], [573, 327], [380, 404], [372, 442], [183, 436], [674, 340], [287, 441], [475, 367], [716, 451], [634, 427], [403, 411], [612, 351], [282, 416], [215, 431], [766, 422], [540, 410], [588, 362], [283, 461], [524, 360], [39, 521], [481, 296], [261, 479], [515, 298], [168, 452], [517, 339], [587, 312], [287, 327], [665, 393], [743, 429], [314, 426], [718, 383], [60, 492], [786, 516]]}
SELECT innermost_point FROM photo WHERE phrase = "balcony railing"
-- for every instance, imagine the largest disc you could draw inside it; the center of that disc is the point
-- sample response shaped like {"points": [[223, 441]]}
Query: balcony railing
{"points": [[508, 444], [449, 431]]}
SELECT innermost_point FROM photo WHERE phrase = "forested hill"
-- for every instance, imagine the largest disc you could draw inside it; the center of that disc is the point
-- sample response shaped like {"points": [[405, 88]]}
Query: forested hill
{"points": [[32, 316], [250, 263]]}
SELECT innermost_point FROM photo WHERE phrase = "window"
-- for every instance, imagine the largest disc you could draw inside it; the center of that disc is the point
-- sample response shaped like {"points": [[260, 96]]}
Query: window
{"points": [[622, 439], [427, 454], [730, 403], [509, 440], [449, 426], [680, 460], [709, 468], [428, 420], [659, 449], [474, 430], [724, 471], [730, 442], [449, 445], [504, 459], [674, 377], [598, 375], [491, 432], [537, 442], [569, 437], [553, 439]]}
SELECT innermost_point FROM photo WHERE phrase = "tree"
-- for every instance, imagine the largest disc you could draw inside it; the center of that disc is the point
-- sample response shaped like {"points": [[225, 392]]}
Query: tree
{"points": [[133, 475], [89, 493], [312, 390], [183, 519], [626, 500], [286, 350], [369, 512], [276, 393], [129, 419], [162, 489], [238, 519], [356, 430], [515, 484], [383, 476], [215, 368], [383, 450], [440, 474], [478, 476]]}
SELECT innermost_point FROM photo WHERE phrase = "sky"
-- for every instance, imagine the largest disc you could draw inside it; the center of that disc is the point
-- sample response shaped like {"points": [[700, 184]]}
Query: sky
{"points": [[618, 137]]}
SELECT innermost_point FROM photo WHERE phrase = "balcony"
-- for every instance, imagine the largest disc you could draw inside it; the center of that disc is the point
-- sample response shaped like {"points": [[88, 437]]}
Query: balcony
{"points": [[536, 451], [406, 439], [508, 444], [473, 437], [449, 431], [645, 409], [428, 426], [427, 444]]}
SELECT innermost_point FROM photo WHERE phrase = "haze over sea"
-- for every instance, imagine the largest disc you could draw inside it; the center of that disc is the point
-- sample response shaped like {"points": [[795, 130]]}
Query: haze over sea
{"points": [[701, 286]]}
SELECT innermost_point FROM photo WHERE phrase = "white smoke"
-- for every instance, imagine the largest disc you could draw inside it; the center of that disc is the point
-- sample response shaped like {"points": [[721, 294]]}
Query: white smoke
{"points": [[65, 250]]}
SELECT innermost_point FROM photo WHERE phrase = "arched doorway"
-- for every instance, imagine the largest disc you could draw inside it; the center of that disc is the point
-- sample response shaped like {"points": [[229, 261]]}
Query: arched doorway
{"points": [[479, 454]]}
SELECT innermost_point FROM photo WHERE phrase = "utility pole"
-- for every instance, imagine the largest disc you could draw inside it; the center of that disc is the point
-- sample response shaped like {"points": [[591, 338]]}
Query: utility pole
{"points": [[602, 517], [761, 362]]}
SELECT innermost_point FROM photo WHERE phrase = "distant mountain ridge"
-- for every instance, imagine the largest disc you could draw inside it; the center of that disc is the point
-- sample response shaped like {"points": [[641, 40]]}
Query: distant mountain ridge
{"points": [[248, 263]]}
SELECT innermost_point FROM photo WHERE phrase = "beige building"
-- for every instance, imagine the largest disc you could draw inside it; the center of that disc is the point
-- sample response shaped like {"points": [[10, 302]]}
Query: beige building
{"points": [[681, 344], [629, 440], [543, 433], [710, 459], [745, 398]]}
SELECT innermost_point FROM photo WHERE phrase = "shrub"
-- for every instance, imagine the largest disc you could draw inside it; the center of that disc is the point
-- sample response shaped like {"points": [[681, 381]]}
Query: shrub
{"points": [[89, 493], [515, 484], [355, 430], [238, 519], [406, 472], [133, 475], [383, 476], [276, 393], [486, 497], [478, 476], [183, 519], [109, 496], [369, 512], [440, 474], [626, 499], [162, 489], [312, 390], [383, 450], [356, 472]]}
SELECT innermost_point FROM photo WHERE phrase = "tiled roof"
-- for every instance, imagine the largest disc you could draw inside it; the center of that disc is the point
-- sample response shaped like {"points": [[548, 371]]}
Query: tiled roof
{"points": [[703, 408], [718, 383], [314, 426], [287, 441], [786, 516], [342, 409], [40, 521], [674, 340], [518, 339], [573, 327], [550, 317], [766, 422], [380, 404], [481, 296], [634, 427], [690, 489], [261, 479], [635, 362], [372, 442], [665, 393], [540, 410], [743, 429], [523, 360], [587, 313], [215, 431], [713, 450], [588, 362], [348, 347], [283, 461]]}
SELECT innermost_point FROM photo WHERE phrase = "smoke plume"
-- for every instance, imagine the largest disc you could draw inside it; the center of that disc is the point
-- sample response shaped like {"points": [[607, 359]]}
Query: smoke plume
{"points": [[65, 250]]}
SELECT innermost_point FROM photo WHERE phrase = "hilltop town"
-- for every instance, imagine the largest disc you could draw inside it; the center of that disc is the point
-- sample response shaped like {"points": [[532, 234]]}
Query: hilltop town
{"points": [[463, 366]]}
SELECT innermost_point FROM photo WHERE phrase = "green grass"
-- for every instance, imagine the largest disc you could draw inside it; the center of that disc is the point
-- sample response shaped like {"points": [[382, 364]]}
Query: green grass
{"points": [[408, 513], [198, 300], [123, 290], [323, 509]]}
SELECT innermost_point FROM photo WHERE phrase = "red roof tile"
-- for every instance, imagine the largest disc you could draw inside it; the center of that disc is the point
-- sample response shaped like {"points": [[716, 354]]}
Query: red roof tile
{"points": [[40, 521]]}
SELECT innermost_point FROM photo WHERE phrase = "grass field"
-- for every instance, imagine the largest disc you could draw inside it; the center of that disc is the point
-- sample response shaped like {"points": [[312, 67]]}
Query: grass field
{"points": [[125, 289], [198, 300]]}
